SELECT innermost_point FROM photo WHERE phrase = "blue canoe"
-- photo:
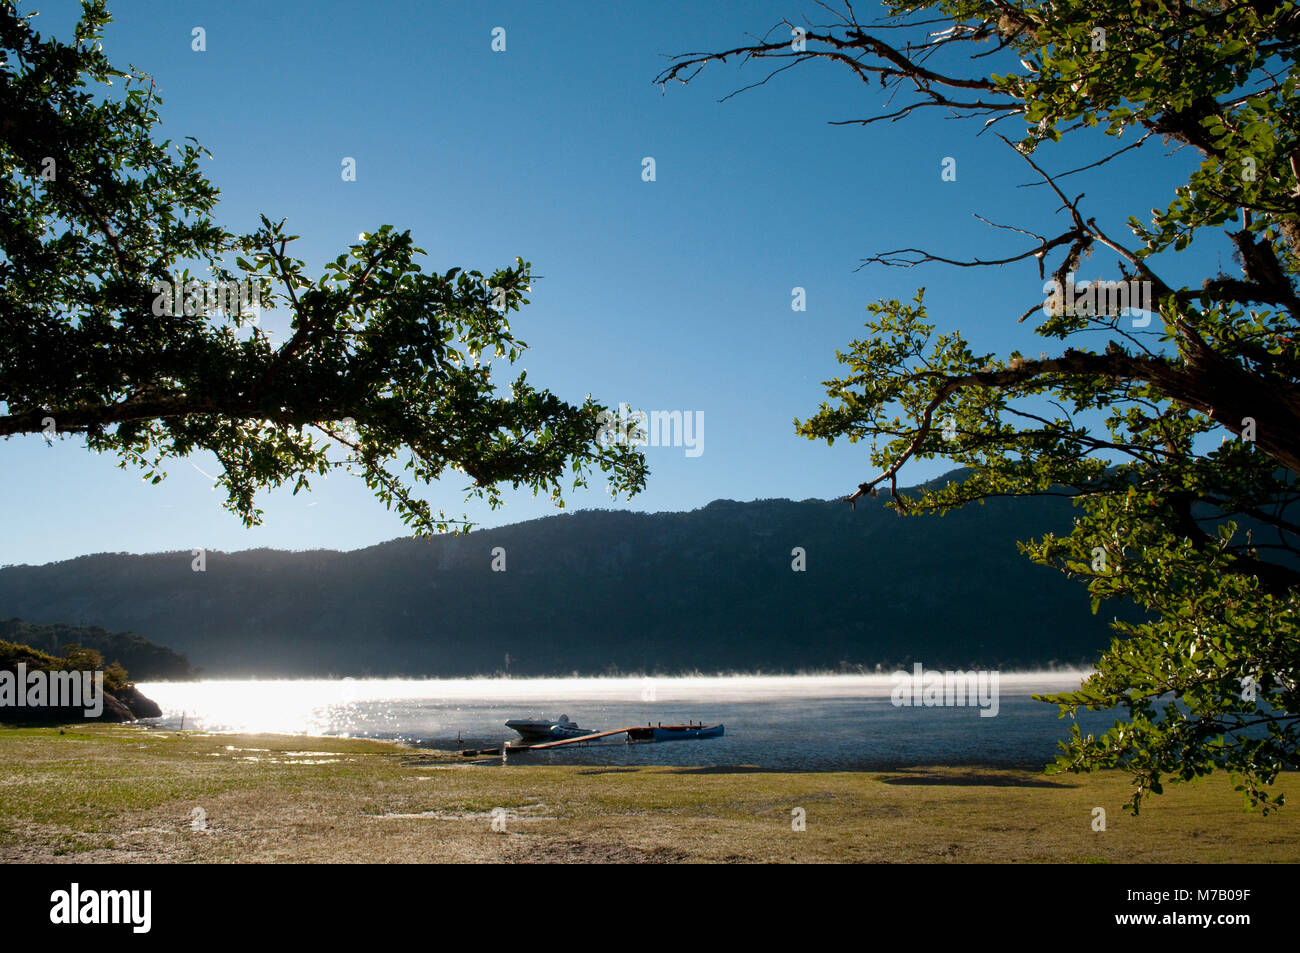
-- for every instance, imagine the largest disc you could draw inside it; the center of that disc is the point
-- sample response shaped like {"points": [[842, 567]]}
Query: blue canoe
{"points": [[674, 732]]}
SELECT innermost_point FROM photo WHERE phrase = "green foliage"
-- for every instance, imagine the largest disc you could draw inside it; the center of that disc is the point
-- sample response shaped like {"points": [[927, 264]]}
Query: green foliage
{"points": [[11, 653], [387, 364]]}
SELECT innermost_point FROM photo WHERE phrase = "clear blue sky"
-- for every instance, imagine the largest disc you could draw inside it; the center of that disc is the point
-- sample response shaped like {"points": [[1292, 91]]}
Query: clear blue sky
{"points": [[673, 294]]}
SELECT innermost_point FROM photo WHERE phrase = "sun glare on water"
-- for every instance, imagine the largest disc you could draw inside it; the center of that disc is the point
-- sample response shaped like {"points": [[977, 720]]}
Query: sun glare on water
{"points": [[332, 706]]}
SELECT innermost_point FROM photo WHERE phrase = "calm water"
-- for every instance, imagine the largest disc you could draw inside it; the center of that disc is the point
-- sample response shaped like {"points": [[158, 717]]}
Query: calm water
{"points": [[803, 722]]}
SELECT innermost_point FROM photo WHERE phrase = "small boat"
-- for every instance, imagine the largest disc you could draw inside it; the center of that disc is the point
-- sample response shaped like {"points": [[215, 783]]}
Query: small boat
{"points": [[536, 731], [662, 732]]}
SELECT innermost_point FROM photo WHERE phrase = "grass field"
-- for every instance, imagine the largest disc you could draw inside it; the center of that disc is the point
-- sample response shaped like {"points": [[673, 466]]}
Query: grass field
{"points": [[116, 794]]}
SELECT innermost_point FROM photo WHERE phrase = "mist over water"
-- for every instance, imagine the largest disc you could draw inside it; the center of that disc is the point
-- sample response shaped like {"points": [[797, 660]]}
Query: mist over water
{"points": [[832, 722]]}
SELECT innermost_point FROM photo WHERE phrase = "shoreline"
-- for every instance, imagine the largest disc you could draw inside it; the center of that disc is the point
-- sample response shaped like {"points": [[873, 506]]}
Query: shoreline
{"points": [[130, 793]]}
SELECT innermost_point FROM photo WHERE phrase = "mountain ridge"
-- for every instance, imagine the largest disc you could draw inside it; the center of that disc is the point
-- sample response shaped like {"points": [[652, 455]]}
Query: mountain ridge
{"points": [[604, 591]]}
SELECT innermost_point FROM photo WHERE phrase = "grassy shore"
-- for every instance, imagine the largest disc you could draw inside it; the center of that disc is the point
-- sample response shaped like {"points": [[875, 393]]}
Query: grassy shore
{"points": [[116, 794]]}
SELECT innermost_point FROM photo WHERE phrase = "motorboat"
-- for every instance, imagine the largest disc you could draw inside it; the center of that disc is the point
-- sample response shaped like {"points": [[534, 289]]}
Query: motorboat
{"points": [[536, 731]]}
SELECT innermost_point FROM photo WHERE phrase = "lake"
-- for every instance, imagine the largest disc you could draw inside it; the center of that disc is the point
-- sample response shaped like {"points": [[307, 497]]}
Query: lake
{"points": [[810, 723]]}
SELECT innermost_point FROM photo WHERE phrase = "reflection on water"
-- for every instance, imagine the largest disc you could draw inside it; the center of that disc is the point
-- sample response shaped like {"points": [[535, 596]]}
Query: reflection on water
{"points": [[784, 722]]}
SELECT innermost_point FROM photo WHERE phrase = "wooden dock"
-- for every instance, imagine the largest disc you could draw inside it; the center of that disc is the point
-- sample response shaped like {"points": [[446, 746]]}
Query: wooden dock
{"points": [[637, 729], [571, 741]]}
